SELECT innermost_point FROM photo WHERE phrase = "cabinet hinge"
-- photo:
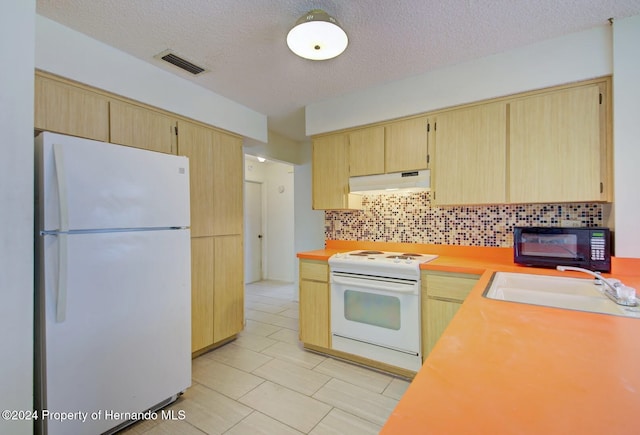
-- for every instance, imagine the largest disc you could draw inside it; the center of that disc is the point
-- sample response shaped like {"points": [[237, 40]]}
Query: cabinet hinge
{"points": [[428, 127], [175, 129], [600, 98], [435, 126], [601, 187], [427, 159]]}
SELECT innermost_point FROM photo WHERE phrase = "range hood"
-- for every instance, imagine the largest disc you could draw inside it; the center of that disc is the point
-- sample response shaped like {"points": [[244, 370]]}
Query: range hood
{"points": [[411, 181]]}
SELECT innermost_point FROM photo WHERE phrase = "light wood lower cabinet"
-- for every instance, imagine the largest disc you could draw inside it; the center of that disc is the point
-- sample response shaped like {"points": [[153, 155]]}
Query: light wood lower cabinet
{"points": [[314, 303], [202, 285], [217, 293], [442, 295]]}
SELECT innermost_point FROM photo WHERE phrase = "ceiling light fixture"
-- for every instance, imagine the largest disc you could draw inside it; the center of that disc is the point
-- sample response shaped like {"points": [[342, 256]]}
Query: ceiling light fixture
{"points": [[317, 36]]}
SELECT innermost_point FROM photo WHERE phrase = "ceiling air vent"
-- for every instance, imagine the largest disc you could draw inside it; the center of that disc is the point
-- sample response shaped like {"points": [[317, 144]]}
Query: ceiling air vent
{"points": [[180, 62]]}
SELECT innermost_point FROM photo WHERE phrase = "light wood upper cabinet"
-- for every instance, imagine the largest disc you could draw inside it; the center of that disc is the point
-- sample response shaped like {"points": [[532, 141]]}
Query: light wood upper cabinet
{"points": [[216, 168], [330, 172], [558, 152], [66, 109], [142, 128], [406, 145], [196, 143], [228, 297], [470, 164], [228, 170], [366, 151]]}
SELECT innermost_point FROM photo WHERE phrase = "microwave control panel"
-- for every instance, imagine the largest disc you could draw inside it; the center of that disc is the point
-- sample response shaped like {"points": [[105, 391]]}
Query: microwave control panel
{"points": [[597, 246]]}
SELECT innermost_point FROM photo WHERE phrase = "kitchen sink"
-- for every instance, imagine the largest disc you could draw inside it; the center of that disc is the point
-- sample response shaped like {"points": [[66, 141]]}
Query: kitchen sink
{"points": [[553, 291]]}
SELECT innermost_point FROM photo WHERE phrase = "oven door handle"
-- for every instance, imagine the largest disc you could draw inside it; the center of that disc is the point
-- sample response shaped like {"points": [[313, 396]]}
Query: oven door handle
{"points": [[389, 287]]}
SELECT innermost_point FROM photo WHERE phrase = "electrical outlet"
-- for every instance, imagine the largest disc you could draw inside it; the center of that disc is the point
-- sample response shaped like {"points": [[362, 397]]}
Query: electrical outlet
{"points": [[571, 223]]}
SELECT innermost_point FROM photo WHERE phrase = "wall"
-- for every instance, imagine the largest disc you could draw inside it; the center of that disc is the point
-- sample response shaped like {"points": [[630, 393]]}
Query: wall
{"points": [[411, 218], [592, 53], [626, 133], [570, 58], [280, 253], [63, 51], [278, 217], [16, 219]]}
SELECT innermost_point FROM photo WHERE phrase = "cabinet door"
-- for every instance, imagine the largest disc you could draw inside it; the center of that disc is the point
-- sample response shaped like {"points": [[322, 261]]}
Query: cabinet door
{"points": [[216, 169], [196, 143], [439, 315], [470, 165], [330, 172], [314, 313], [66, 109], [228, 299], [366, 151], [407, 145], [141, 128], [228, 178], [202, 284], [556, 147]]}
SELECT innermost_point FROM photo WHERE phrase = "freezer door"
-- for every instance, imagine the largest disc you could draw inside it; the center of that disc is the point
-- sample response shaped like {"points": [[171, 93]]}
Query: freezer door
{"points": [[87, 185], [125, 343]]}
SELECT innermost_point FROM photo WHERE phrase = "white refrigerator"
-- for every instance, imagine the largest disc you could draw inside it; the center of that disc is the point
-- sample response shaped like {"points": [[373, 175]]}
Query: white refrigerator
{"points": [[113, 292]]}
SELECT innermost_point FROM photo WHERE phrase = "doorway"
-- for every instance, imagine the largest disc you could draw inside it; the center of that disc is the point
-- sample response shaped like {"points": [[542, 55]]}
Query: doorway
{"points": [[253, 231]]}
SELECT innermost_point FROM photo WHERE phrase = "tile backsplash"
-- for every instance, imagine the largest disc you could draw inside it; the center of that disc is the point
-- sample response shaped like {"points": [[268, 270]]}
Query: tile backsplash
{"points": [[411, 218]]}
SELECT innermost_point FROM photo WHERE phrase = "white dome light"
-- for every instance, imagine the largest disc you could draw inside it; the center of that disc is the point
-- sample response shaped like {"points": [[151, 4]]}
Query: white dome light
{"points": [[317, 36]]}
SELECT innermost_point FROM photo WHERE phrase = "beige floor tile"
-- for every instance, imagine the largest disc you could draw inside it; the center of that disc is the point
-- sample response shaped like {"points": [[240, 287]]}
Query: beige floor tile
{"points": [[268, 300], [354, 374], [355, 400], [289, 407], [266, 308], [396, 388], [295, 354], [259, 424], [259, 328], [238, 357], [290, 312], [287, 335], [225, 379], [139, 427], [253, 342], [272, 319], [338, 422], [210, 411], [292, 376], [172, 427]]}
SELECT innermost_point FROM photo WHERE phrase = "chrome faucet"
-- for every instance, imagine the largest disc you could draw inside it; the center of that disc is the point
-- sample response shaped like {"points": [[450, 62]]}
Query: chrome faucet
{"points": [[611, 292]]}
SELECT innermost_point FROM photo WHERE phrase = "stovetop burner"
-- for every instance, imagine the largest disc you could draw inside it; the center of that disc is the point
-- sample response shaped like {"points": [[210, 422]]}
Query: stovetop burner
{"points": [[379, 263]]}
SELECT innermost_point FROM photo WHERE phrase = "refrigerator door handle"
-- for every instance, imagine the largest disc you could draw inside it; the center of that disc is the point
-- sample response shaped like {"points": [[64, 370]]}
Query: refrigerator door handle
{"points": [[61, 301], [63, 208]]}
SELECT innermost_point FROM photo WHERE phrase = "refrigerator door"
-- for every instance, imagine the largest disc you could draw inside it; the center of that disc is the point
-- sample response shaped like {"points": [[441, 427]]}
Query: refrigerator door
{"points": [[125, 344], [88, 185]]}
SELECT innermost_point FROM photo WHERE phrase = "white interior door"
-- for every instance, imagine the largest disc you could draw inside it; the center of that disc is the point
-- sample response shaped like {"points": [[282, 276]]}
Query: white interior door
{"points": [[253, 232]]}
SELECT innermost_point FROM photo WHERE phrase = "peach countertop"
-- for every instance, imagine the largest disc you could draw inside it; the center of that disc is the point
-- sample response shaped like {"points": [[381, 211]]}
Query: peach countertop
{"points": [[502, 367]]}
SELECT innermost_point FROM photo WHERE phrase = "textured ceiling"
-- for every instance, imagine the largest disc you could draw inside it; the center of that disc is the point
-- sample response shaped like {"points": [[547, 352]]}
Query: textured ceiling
{"points": [[242, 42]]}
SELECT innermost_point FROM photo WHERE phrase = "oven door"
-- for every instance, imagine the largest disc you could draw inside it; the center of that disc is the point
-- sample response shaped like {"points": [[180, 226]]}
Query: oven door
{"points": [[377, 310]]}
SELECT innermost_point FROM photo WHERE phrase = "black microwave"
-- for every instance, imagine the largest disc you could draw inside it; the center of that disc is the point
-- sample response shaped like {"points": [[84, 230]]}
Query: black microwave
{"points": [[589, 248]]}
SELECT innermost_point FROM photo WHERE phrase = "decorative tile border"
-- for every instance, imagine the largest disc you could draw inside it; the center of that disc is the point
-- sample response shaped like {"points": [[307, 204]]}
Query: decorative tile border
{"points": [[410, 218]]}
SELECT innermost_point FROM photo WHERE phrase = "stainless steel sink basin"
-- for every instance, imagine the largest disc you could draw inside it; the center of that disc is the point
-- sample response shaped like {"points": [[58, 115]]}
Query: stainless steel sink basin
{"points": [[553, 291]]}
